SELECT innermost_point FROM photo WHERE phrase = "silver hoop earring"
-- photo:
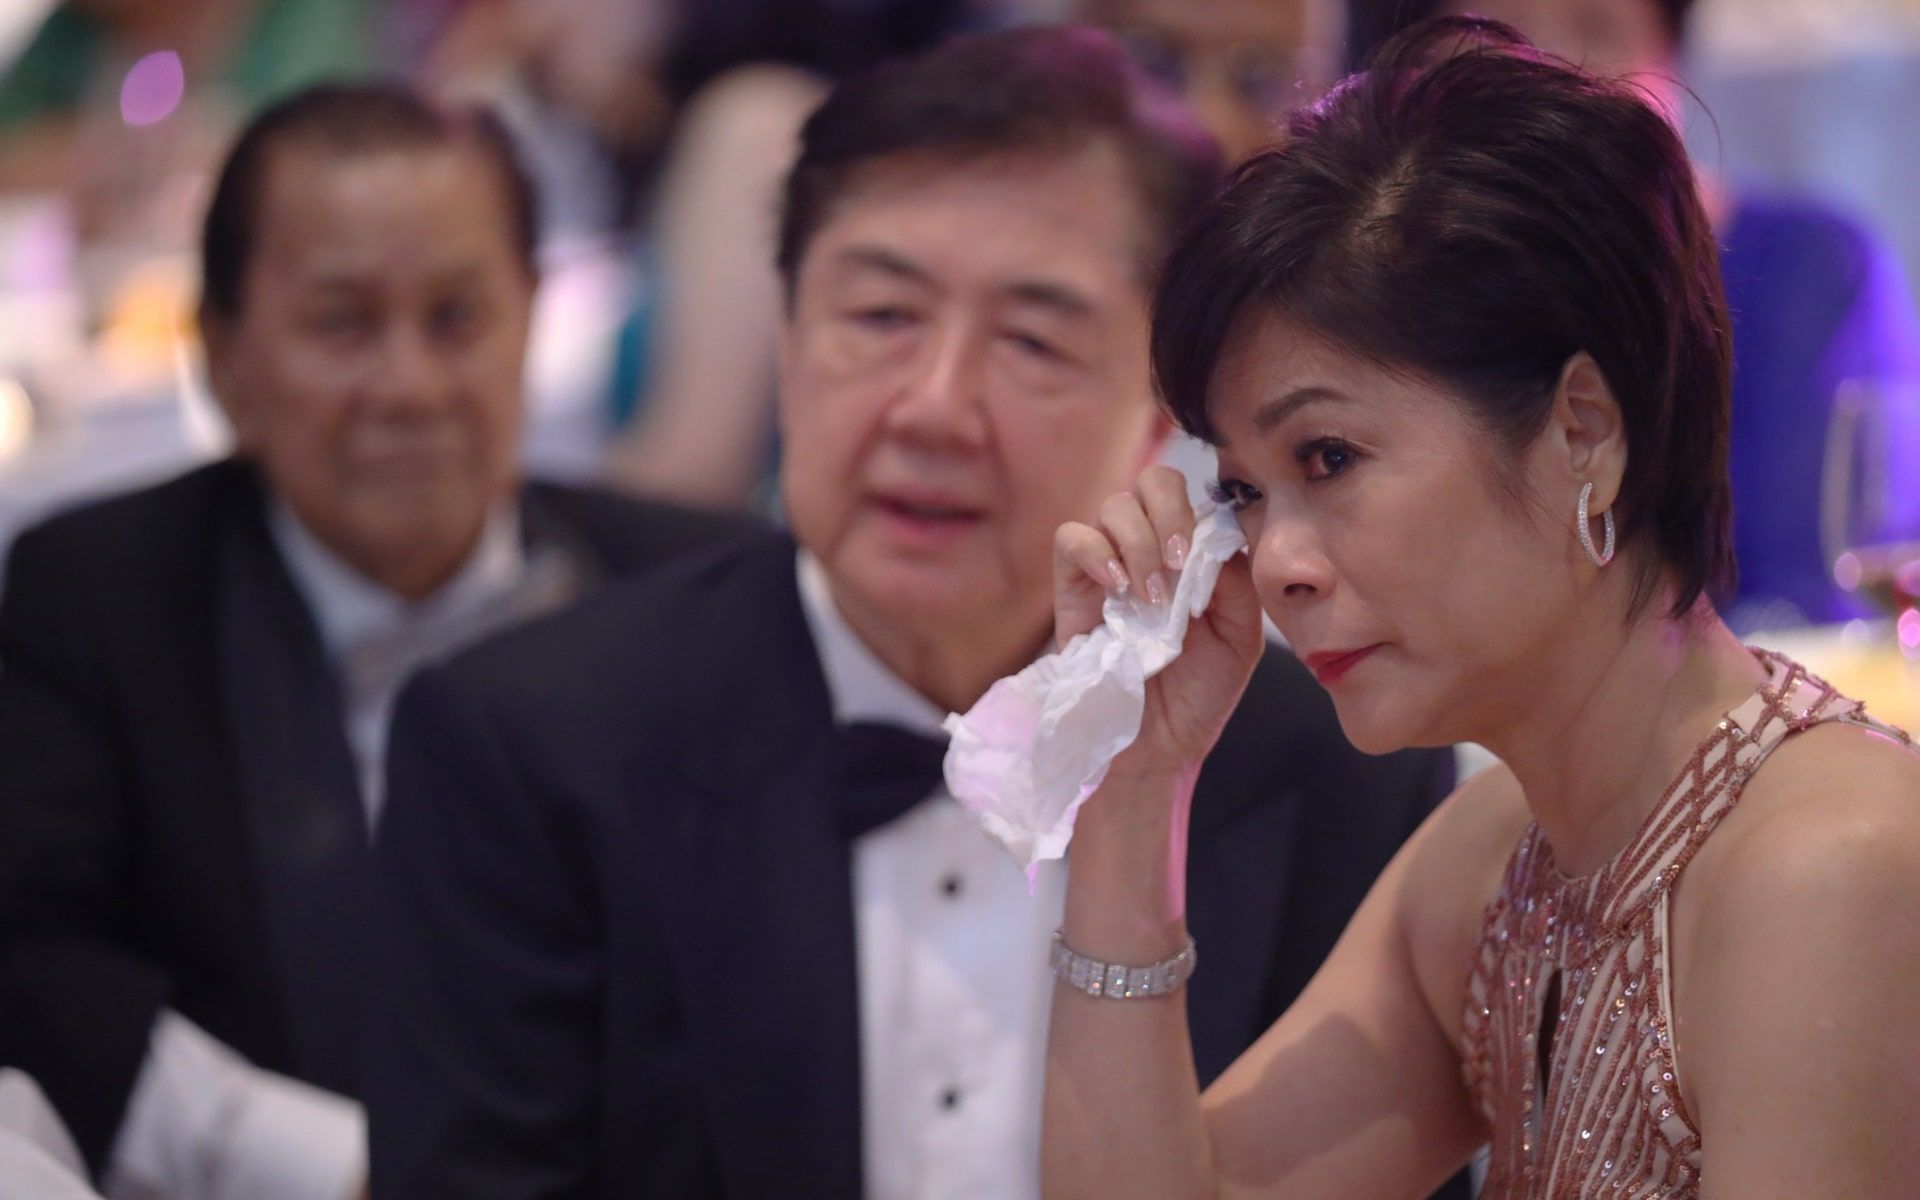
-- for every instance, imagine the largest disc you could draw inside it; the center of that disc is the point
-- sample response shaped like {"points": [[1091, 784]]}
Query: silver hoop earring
{"points": [[1584, 525]]}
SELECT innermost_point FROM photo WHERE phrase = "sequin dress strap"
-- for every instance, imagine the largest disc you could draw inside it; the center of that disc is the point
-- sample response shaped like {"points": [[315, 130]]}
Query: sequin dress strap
{"points": [[1567, 1035], [1789, 701]]}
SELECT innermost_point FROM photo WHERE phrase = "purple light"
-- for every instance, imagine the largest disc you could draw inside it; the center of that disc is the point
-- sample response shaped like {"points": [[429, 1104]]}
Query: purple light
{"points": [[1910, 630], [153, 89]]}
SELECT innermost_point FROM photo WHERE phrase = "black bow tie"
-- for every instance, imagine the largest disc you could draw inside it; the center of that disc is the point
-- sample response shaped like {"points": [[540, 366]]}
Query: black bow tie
{"points": [[882, 770]]}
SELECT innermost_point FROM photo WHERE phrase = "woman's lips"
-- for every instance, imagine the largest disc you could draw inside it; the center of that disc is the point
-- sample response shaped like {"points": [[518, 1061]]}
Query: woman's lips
{"points": [[1329, 666]]}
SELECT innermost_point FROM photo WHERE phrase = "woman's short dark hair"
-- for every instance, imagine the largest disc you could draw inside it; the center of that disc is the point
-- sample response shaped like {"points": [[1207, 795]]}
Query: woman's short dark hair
{"points": [[1474, 212], [344, 118], [1043, 90]]}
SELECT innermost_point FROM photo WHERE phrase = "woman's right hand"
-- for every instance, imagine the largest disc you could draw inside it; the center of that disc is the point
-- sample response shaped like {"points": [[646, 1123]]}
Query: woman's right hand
{"points": [[1146, 534]]}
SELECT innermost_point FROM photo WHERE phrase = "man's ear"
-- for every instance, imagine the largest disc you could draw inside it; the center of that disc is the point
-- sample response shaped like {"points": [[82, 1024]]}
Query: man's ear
{"points": [[218, 340], [784, 352], [1589, 429]]}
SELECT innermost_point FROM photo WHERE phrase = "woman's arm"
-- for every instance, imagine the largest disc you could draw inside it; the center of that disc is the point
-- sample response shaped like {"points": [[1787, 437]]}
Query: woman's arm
{"points": [[1355, 1091]]}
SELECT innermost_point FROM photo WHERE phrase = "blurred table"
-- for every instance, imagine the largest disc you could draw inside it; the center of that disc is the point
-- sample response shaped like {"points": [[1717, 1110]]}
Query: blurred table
{"points": [[1861, 658]]}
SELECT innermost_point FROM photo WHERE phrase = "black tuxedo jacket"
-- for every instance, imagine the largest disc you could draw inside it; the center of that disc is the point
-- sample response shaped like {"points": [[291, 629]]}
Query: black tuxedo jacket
{"points": [[180, 823], [621, 954]]}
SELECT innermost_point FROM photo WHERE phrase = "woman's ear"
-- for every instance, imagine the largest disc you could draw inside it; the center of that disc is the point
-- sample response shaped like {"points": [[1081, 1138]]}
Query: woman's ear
{"points": [[1590, 429]]}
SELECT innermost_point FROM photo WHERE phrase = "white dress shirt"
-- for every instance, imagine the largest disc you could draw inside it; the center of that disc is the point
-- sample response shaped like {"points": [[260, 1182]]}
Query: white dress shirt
{"points": [[203, 1123], [38, 1160], [353, 612], [952, 966], [206, 1124]]}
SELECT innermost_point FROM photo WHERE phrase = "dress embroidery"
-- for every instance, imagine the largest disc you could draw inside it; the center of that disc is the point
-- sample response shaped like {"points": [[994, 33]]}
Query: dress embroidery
{"points": [[1610, 1118]]}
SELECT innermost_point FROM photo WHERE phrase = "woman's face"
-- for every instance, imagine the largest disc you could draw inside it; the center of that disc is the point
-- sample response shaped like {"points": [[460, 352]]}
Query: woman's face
{"points": [[1415, 564]]}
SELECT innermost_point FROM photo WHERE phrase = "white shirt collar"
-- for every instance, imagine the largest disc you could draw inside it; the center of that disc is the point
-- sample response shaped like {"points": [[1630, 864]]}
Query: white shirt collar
{"points": [[347, 606], [861, 686]]}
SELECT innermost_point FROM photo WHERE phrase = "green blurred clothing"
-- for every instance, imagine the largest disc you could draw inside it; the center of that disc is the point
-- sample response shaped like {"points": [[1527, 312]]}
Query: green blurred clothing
{"points": [[290, 43]]}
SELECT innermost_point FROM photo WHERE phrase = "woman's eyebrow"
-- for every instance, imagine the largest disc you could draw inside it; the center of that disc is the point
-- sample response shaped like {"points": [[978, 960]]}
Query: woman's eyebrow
{"points": [[1274, 411]]}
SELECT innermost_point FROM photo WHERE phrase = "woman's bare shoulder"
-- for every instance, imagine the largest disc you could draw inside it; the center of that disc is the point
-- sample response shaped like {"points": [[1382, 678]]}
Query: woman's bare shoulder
{"points": [[1825, 837], [1805, 896], [1835, 794]]}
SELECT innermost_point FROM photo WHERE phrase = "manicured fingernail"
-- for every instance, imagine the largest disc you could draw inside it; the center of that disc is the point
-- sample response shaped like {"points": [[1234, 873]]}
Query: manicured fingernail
{"points": [[1118, 574], [1176, 552], [1156, 589]]}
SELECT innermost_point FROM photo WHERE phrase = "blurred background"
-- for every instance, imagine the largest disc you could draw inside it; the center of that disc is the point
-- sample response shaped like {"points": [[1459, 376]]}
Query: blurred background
{"points": [[658, 131]]}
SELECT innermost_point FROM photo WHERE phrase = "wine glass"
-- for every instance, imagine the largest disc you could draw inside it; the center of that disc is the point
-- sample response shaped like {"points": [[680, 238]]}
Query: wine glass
{"points": [[1870, 499]]}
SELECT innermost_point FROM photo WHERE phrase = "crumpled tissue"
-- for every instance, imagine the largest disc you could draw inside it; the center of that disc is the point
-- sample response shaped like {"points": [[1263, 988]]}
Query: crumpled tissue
{"points": [[1026, 756]]}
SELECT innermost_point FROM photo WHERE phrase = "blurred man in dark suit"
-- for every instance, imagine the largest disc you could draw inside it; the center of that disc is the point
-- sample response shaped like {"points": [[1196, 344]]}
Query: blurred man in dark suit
{"points": [[195, 679], [699, 918]]}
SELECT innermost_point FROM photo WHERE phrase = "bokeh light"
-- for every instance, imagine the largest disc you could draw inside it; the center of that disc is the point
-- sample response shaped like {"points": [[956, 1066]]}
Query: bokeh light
{"points": [[153, 88], [1910, 632], [1846, 571]]}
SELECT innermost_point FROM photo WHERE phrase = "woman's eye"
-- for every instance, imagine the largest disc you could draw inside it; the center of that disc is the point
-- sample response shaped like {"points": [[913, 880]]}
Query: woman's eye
{"points": [[1233, 493], [1326, 457]]}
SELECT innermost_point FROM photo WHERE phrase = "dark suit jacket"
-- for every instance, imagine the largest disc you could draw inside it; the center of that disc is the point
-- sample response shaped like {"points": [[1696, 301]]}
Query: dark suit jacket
{"points": [[180, 823], [620, 913]]}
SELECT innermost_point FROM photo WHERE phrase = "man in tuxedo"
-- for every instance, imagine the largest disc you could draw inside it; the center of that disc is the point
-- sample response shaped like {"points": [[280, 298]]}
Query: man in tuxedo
{"points": [[677, 905], [196, 678]]}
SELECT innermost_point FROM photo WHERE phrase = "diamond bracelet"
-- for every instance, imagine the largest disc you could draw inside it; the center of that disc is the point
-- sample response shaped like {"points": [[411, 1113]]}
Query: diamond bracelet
{"points": [[1118, 982]]}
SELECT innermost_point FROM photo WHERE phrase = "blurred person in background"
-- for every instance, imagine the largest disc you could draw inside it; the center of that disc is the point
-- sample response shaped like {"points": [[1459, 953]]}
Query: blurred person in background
{"points": [[1817, 300], [195, 678], [1241, 65], [677, 903], [697, 375], [581, 88]]}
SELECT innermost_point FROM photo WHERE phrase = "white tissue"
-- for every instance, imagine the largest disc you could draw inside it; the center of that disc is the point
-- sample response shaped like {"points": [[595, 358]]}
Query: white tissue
{"points": [[1025, 757]]}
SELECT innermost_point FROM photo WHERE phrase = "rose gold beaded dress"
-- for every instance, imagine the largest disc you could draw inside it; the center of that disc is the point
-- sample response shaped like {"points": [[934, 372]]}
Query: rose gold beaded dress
{"points": [[1608, 1116]]}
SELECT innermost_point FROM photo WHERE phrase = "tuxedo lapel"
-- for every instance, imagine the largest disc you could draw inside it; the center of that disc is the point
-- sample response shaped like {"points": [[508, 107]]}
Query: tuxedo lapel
{"points": [[1239, 868], [545, 529], [306, 829], [756, 887]]}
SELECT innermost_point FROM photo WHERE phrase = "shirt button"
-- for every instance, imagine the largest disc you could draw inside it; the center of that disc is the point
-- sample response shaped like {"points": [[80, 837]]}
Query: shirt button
{"points": [[951, 887], [950, 1099]]}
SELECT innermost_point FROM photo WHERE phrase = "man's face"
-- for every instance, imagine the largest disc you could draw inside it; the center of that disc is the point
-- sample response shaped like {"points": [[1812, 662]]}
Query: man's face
{"points": [[374, 368], [964, 367]]}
